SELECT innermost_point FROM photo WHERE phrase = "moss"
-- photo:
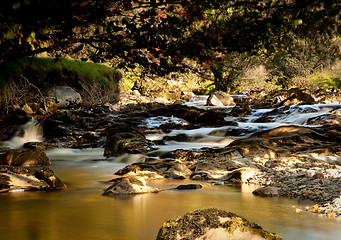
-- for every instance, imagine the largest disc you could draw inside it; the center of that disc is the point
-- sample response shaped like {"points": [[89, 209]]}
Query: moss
{"points": [[85, 70], [195, 224], [135, 181]]}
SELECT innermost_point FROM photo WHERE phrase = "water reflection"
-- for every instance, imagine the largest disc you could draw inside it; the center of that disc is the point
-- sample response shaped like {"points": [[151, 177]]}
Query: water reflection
{"points": [[80, 212]]}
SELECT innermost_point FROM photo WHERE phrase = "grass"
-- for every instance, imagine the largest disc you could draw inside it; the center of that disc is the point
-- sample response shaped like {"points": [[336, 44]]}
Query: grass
{"points": [[326, 79], [20, 79], [86, 71]]}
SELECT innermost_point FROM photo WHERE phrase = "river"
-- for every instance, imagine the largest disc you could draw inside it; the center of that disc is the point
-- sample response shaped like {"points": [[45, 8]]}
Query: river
{"points": [[80, 212]]}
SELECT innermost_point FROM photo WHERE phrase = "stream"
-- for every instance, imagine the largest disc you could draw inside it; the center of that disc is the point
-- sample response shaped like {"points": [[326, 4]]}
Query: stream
{"points": [[80, 212]]}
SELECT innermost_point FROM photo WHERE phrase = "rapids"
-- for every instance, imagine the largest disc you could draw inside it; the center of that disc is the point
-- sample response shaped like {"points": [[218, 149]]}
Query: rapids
{"points": [[29, 132], [80, 212]]}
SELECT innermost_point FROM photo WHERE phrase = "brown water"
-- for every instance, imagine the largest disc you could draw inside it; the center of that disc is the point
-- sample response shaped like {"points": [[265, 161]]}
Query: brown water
{"points": [[80, 212]]}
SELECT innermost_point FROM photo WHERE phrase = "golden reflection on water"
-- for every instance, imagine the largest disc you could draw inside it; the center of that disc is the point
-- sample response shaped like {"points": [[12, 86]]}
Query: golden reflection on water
{"points": [[80, 212]]}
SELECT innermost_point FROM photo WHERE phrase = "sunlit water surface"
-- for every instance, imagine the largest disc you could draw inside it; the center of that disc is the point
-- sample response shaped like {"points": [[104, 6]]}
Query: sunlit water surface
{"points": [[80, 212]]}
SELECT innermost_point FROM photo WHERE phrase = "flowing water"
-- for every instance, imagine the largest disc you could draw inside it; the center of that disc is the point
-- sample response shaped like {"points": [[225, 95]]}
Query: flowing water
{"points": [[80, 212]]}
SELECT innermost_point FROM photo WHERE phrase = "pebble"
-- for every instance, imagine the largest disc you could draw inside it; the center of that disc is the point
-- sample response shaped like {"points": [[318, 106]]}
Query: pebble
{"points": [[320, 183]]}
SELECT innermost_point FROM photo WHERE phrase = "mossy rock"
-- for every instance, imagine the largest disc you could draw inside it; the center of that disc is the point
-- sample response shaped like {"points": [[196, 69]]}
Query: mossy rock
{"points": [[212, 224]]}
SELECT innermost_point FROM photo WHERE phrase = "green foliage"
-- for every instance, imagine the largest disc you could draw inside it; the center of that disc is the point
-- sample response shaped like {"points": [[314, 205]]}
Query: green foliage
{"points": [[326, 79]]}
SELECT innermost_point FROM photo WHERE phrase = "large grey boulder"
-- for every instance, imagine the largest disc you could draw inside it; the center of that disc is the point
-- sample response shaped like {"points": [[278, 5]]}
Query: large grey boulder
{"points": [[63, 96], [212, 224]]}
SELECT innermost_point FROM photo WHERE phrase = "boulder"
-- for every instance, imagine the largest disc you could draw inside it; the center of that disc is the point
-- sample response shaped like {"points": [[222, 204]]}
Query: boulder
{"points": [[266, 192], [220, 98], [214, 118], [125, 140], [25, 179], [129, 185], [212, 224], [298, 98], [24, 158], [214, 101], [240, 111], [157, 170], [64, 96], [240, 175]]}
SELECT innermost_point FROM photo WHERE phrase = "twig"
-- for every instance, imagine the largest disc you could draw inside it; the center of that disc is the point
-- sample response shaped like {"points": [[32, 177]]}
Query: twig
{"points": [[42, 96]]}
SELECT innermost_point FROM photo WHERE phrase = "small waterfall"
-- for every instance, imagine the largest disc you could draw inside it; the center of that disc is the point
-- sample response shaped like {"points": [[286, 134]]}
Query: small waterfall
{"points": [[32, 132]]}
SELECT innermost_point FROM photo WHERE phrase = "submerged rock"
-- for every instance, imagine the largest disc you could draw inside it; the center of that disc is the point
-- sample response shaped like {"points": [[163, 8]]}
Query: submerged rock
{"points": [[25, 179], [212, 224], [188, 187], [129, 185], [266, 192]]}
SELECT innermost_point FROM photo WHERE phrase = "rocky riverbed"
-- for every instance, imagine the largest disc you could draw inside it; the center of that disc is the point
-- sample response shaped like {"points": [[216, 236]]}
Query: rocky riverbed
{"points": [[286, 142]]}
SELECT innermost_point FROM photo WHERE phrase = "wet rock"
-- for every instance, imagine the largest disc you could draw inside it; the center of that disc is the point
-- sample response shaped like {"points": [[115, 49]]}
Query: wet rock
{"points": [[266, 192], [40, 145], [157, 170], [181, 155], [181, 138], [25, 179], [125, 140], [230, 132], [24, 158], [298, 98], [212, 118], [188, 187], [208, 171], [219, 98], [189, 114], [326, 96], [270, 164], [214, 101], [212, 224], [88, 140], [129, 185], [50, 178], [327, 119], [240, 111], [240, 175]]}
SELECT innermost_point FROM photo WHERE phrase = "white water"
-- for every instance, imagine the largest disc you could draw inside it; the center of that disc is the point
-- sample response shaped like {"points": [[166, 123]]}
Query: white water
{"points": [[297, 115], [32, 132]]}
